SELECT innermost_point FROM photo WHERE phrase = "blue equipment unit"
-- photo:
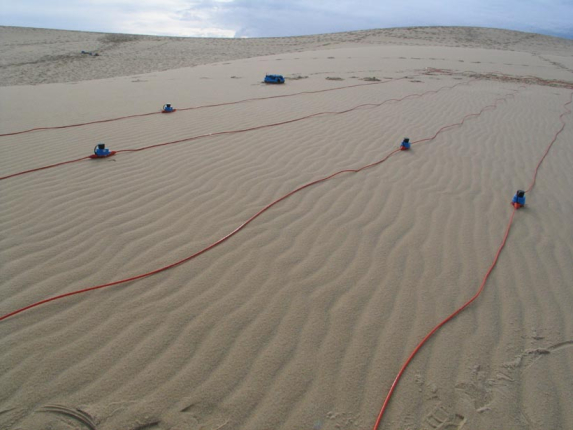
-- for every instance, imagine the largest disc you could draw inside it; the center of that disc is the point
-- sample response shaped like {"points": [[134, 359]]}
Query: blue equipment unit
{"points": [[405, 145], [519, 199], [167, 108], [101, 151], [274, 79]]}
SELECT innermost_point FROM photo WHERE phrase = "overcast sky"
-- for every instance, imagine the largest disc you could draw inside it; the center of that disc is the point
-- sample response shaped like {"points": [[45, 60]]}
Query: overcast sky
{"points": [[268, 18]]}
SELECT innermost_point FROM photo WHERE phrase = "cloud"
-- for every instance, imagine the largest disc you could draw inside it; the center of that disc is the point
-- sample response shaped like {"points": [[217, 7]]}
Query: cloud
{"points": [[264, 18], [275, 18], [158, 17]]}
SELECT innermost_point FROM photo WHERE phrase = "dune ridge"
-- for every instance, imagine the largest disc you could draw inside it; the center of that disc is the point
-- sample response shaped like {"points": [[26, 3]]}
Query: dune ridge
{"points": [[32, 56]]}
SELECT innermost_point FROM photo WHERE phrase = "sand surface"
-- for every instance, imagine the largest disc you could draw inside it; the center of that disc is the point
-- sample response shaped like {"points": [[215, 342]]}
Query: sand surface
{"points": [[303, 318]]}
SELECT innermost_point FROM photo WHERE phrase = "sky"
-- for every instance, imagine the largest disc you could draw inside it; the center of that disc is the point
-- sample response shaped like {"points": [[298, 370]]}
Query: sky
{"points": [[275, 18]]}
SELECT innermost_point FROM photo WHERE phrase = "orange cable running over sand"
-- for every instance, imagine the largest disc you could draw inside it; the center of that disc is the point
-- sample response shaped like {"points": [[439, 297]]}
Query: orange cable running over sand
{"points": [[219, 133], [195, 107], [248, 221], [482, 285]]}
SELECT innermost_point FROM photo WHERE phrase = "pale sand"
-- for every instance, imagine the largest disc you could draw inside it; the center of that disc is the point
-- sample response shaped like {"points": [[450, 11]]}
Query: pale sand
{"points": [[303, 319]]}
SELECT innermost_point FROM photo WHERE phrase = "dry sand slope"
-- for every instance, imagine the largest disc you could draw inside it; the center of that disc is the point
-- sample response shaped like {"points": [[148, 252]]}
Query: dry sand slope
{"points": [[302, 319], [31, 56]]}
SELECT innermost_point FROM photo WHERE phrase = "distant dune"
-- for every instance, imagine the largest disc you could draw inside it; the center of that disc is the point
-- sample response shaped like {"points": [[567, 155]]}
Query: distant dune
{"points": [[303, 318], [31, 56]]}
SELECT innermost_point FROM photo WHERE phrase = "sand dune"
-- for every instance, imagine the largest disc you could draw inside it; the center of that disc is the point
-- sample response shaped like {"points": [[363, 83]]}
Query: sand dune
{"points": [[31, 56], [304, 317]]}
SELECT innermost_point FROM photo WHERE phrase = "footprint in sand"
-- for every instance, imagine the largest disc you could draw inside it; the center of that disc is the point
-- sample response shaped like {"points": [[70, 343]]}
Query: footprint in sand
{"points": [[486, 391], [205, 415], [341, 420], [58, 417], [440, 418]]}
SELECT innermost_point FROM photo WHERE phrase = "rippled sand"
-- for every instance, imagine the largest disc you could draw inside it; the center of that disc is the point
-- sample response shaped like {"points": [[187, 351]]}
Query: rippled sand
{"points": [[302, 319]]}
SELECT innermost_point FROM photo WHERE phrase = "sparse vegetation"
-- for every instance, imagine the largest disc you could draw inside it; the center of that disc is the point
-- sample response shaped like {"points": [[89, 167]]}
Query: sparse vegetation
{"points": [[118, 38]]}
